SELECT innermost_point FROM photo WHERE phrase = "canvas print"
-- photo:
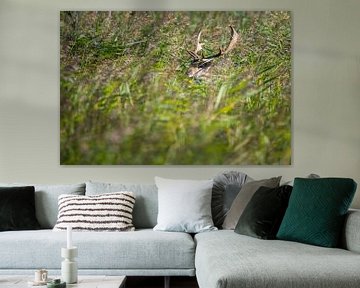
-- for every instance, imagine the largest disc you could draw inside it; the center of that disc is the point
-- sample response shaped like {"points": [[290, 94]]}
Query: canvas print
{"points": [[175, 87]]}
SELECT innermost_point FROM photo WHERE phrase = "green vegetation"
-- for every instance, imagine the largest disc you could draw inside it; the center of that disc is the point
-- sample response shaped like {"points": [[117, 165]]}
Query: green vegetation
{"points": [[126, 97]]}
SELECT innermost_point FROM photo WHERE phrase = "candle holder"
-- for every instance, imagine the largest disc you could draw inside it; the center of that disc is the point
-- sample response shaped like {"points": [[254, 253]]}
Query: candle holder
{"points": [[69, 271]]}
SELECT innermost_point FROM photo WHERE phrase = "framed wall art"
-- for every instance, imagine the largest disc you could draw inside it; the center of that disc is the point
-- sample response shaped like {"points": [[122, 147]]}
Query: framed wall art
{"points": [[175, 87]]}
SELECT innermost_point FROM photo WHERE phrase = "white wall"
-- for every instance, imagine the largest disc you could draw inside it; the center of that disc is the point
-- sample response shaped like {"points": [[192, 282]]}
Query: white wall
{"points": [[326, 91]]}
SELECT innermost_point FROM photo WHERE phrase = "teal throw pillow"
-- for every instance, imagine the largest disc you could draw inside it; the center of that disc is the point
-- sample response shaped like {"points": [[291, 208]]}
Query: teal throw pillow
{"points": [[316, 211]]}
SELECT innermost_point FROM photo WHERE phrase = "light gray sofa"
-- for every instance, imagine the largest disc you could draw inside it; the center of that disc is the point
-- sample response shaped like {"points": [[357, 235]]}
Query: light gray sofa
{"points": [[219, 259], [226, 259], [143, 252]]}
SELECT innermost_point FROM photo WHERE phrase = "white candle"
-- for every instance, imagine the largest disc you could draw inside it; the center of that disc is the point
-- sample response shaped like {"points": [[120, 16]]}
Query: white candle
{"points": [[69, 237]]}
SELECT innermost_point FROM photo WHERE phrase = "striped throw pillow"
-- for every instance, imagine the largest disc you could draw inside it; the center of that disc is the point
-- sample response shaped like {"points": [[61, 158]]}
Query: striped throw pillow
{"points": [[105, 212]]}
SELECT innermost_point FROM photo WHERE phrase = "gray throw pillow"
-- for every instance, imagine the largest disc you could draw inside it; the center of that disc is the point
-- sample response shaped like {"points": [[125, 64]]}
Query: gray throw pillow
{"points": [[226, 187], [242, 199], [184, 205]]}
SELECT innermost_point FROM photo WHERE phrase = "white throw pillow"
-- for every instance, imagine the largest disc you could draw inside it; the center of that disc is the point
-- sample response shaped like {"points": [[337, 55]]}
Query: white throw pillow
{"points": [[184, 205], [104, 212]]}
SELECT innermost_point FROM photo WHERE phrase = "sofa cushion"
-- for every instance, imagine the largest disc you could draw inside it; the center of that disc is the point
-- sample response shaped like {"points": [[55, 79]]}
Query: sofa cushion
{"points": [[184, 205], [105, 212], [317, 209], [17, 208], [225, 189], [146, 205], [46, 200], [243, 198], [263, 214], [225, 259], [138, 250]]}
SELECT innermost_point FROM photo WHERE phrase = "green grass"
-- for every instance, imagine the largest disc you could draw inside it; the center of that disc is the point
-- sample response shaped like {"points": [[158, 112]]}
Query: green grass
{"points": [[125, 97]]}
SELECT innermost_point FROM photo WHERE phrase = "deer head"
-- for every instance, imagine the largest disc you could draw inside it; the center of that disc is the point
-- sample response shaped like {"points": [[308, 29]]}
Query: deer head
{"points": [[200, 64]]}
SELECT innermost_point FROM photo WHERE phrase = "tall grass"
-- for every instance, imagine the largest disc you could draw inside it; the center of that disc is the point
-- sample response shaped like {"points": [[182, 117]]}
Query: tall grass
{"points": [[125, 97]]}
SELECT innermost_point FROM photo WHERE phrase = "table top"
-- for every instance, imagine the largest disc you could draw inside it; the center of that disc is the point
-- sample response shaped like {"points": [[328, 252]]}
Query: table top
{"points": [[84, 281]]}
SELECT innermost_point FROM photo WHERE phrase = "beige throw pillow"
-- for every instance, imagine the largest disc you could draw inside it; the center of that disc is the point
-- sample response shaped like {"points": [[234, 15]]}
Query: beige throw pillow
{"points": [[243, 198]]}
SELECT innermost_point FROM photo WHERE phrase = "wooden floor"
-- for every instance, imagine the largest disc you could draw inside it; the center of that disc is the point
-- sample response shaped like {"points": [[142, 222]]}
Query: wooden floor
{"points": [[158, 282]]}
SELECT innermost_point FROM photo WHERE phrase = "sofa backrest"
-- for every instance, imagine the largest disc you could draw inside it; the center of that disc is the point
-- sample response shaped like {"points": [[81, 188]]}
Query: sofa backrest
{"points": [[350, 239], [146, 203]]}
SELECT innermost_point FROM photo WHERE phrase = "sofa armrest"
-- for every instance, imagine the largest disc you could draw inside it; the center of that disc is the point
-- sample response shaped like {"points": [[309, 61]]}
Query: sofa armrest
{"points": [[351, 234]]}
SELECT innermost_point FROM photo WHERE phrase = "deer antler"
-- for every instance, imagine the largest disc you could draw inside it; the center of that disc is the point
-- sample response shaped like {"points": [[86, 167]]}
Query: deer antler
{"points": [[198, 48], [234, 39], [198, 44], [201, 64]]}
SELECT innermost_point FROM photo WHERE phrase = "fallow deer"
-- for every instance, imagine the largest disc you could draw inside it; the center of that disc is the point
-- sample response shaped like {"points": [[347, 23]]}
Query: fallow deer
{"points": [[200, 65]]}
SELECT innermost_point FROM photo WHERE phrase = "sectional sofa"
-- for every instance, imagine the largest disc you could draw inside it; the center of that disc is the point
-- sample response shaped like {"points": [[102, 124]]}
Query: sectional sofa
{"points": [[218, 258]]}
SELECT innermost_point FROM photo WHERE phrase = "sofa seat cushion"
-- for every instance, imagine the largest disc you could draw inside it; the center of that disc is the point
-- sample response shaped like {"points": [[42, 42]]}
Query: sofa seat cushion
{"points": [[226, 259], [142, 249]]}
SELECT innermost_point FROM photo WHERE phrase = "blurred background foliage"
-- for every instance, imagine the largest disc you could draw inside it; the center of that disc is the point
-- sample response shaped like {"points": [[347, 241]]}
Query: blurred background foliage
{"points": [[125, 97]]}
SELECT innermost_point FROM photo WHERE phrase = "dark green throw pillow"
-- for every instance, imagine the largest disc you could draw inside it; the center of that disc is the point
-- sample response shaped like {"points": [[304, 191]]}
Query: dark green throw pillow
{"points": [[263, 214], [17, 208], [316, 211]]}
